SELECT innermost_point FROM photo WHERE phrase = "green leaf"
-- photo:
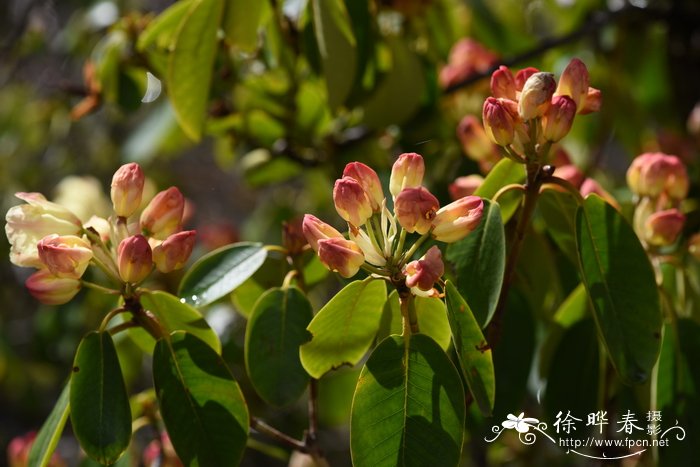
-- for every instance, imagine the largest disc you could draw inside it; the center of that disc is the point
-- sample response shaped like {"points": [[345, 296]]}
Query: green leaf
{"points": [[162, 31], [191, 64], [336, 44], [46, 440], [505, 172], [219, 272], [100, 412], [559, 213], [431, 314], [621, 285], [408, 407], [276, 329], [344, 328], [242, 20], [473, 351], [479, 261], [201, 404], [174, 315]]}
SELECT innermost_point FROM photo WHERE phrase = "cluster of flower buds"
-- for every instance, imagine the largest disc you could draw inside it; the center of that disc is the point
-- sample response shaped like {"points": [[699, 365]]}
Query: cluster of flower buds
{"points": [[467, 57], [660, 183], [18, 452], [377, 237], [49, 237], [530, 108]]}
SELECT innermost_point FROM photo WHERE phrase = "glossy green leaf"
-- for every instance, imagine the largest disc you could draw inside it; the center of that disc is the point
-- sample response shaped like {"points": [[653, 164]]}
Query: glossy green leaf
{"points": [[431, 315], [201, 404], [276, 329], [336, 43], [473, 351], [505, 172], [479, 261], [242, 19], [191, 64], [344, 328], [408, 407], [100, 412], [219, 272], [163, 29], [46, 440], [174, 315], [621, 285], [559, 213]]}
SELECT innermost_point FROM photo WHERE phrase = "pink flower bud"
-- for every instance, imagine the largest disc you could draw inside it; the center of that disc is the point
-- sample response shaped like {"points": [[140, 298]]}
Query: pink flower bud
{"points": [[134, 259], [590, 186], [50, 289], [293, 238], [574, 82], [456, 220], [499, 120], [591, 103], [65, 256], [29, 223], [340, 255], [315, 229], [523, 75], [127, 188], [423, 273], [415, 209], [465, 186], [536, 95], [351, 201], [407, 172], [475, 142], [503, 83], [651, 174], [101, 226], [557, 120], [663, 227], [174, 252], [369, 181], [571, 174], [163, 215]]}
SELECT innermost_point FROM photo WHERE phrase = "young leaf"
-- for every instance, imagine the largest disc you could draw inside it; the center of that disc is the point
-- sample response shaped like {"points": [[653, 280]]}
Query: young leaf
{"points": [[473, 351], [219, 272], [242, 20], [191, 64], [201, 404], [503, 173], [343, 330], [621, 285], [100, 412], [276, 329], [479, 261], [46, 440], [408, 407]]}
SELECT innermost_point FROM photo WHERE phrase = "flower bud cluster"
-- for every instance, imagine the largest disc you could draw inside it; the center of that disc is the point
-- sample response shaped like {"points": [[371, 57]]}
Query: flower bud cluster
{"points": [[377, 237], [49, 237], [467, 57]]}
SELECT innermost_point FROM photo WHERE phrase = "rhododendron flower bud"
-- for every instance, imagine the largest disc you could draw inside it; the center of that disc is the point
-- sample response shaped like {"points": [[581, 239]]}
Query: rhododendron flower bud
{"points": [[415, 209], [591, 103], [499, 120], [536, 95], [465, 186], [127, 189], [340, 255], [65, 256], [293, 238], [694, 246], [351, 201], [315, 229], [50, 289], [163, 215], [29, 223], [523, 75], [650, 174], [369, 180], [134, 259], [571, 174], [423, 273], [456, 220], [475, 142], [174, 252], [663, 227], [590, 186], [101, 226], [574, 82], [557, 120], [407, 172], [503, 83]]}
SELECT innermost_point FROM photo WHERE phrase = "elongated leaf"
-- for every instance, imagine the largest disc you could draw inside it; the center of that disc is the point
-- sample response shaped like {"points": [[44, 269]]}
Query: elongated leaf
{"points": [[479, 261], [100, 413], [191, 64], [431, 314], [473, 351], [174, 315], [219, 272], [622, 288], [46, 440], [276, 330], [408, 407], [201, 404], [559, 212], [242, 20], [163, 29], [505, 172], [343, 330]]}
